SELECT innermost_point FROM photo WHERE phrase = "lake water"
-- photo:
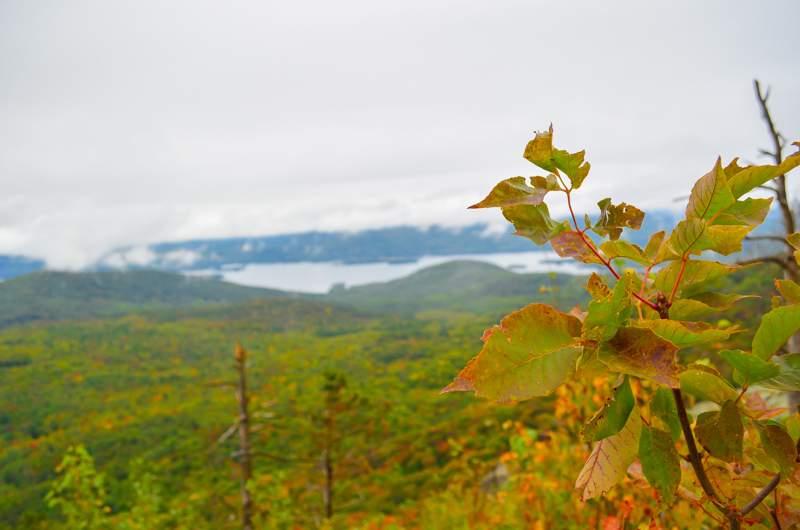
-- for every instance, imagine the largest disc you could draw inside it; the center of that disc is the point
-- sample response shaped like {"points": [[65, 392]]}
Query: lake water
{"points": [[313, 277]]}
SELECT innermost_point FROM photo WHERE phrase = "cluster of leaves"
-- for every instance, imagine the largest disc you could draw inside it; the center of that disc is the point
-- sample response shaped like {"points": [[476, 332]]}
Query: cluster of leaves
{"points": [[634, 329]]}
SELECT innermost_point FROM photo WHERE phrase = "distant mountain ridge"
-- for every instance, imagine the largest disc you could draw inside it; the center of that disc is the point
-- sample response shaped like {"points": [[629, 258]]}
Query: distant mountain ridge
{"points": [[389, 245]]}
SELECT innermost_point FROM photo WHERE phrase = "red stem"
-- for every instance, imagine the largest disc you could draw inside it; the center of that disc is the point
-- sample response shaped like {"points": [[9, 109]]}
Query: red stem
{"points": [[678, 281]]}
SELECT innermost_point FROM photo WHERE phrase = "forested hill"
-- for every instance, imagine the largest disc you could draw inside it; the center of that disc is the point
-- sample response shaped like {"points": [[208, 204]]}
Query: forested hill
{"points": [[458, 286], [47, 295]]}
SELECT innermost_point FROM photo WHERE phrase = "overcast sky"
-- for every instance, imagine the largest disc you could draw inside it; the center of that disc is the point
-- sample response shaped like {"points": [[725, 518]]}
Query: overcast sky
{"points": [[127, 123]]}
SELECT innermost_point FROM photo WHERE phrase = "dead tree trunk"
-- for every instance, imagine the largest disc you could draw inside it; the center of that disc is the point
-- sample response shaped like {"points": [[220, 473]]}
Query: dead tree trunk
{"points": [[245, 455]]}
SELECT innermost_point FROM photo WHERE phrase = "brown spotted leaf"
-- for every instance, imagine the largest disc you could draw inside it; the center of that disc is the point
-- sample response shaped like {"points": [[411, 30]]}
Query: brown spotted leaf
{"points": [[613, 416], [531, 353], [610, 459], [778, 445], [573, 245], [642, 353], [539, 150], [534, 222], [721, 432], [614, 218]]}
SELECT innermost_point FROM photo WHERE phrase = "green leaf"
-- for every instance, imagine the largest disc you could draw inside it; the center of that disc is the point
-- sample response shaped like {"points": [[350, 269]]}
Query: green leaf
{"points": [[534, 222], [686, 334], [707, 386], [778, 445], [613, 416], [789, 289], [610, 459], [614, 218], [596, 287], [754, 176], [727, 238], [660, 463], [722, 432], [690, 236], [531, 353], [514, 191], [775, 329], [654, 243], [539, 150], [662, 406], [625, 250], [573, 245], [642, 353], [749, 211], [732, 168], [589, 365], [571, 165], [749, 368], [605, 316], [710, 194], [794, 240], [789, 377], [695, 271], [702, 304]]}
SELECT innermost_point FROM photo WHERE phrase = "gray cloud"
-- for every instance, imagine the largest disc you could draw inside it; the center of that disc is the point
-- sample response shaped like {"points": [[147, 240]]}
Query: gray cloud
{"points": [[128, 123]]}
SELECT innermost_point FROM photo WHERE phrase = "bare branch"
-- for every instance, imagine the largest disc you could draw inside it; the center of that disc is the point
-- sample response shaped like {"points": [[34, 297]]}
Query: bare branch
{"points": [[770, 188], [772, 259], [776, 138], [762, 495], [769, 238]]}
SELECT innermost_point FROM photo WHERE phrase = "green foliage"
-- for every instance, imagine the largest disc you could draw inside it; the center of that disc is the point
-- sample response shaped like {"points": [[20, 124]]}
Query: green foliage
{"points": [[79, 492], [641, 327]]}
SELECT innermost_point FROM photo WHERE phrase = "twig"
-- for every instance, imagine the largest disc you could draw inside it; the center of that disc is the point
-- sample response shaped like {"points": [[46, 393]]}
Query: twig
{"points": [[762, 495]]}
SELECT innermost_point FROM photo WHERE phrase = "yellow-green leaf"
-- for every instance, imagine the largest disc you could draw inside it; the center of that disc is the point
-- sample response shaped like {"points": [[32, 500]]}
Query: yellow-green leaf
{"points": [[754, 176], [789, 289], [514, 191], [775, 329], [572, 165], [749, 368], [710, 194], [707, 386], [695, 271], [749, 211], [690, 236], [531, 353], [614, 218], [538, 151], [686, 334], [605, 316], [789, 377], [610, 458], [625, 250], [534, 222]]}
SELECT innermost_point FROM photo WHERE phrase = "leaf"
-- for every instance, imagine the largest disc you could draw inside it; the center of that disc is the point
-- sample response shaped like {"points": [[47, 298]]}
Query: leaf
{"points": [[539, 150], [514, 191], [749, 368], [690, 236], [789, 290], [614, 218], [754, 176], [654, 243], [695, 271], [534, 222], [662, 406], [789, 377], [572, 245], [625, 250], [721, 478], [732, 168], [686, 334], [710, 194], [589, 365], [613, 416], [707, 386], [609, 460], [721, 432], [607, 315], [531, 353], [750, 211], [642, 353], [596, 287], [660, 463], [775, 329], [702, 304], [727, 239], [778, 445], [571, 165]]}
